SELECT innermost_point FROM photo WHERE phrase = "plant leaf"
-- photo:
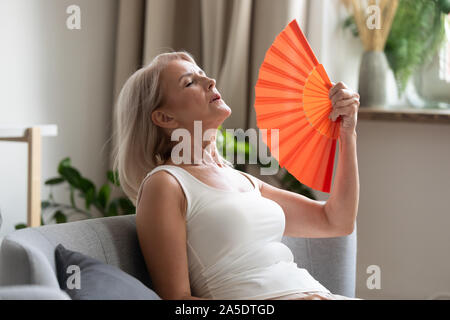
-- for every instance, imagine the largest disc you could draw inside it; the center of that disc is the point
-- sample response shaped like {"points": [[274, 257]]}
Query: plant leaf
{"points": [[103, 195], [72, 176], [60, 217], [112, 209], [20, 226], [90, 198], [54, 181], [86, 185], [126, 205], [64, 163], [113, 177]]}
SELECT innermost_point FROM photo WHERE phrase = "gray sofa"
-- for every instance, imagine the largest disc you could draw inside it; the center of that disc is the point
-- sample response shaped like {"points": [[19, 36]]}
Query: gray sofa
{"points": [[27, 263]]}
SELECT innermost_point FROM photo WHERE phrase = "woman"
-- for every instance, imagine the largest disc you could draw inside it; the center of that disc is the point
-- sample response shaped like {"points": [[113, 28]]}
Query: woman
{"points": [[206, 230]]}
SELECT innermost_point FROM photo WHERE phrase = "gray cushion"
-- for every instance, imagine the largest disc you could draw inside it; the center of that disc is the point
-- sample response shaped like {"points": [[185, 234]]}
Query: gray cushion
{"points": [[97, 280]]}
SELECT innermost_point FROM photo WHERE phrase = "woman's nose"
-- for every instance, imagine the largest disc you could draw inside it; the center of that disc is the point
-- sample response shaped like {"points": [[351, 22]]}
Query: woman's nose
{"points": [[211, 83]]}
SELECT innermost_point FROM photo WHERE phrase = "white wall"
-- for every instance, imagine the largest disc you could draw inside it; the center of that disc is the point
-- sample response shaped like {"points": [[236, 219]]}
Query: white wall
{"points": [[404, 214], [51, 74]]}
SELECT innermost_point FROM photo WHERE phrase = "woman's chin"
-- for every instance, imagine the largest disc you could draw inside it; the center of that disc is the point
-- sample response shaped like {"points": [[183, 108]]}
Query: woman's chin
{"points": [[223, 108]]}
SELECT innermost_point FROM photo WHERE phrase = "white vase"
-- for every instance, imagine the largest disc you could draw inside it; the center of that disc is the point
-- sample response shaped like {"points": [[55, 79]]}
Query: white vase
{"points": [[377, 86]]}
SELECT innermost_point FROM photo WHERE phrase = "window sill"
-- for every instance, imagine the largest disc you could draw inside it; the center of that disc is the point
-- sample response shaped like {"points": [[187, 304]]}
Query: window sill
{"points": [[405, 114]]}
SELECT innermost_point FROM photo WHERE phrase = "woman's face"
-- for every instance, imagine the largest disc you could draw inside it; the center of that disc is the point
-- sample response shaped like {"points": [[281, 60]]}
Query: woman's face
{"points": [[188, 95]]}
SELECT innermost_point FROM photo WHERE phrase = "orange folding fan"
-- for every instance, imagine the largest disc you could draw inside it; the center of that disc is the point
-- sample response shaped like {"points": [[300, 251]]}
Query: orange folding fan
{"points": [[291, 95]]}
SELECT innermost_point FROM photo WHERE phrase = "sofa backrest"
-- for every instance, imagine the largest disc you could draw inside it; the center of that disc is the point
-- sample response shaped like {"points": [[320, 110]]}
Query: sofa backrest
{"points": [[27, 256]]}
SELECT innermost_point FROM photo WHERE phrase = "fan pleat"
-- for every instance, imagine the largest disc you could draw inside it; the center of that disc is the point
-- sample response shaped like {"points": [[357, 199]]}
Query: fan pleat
{"points": [[313, 93], [317, 79], [274, 94], [273, 85], [276, 58], [291, 151], [323, 125], [300, 69], [287, 120], [293, 51], [266, 91], [274, 115], [303, 42], [314, 151], [319, 89], [311, 109], [301, 54], [271, 68], [292, 129], [276, 100], [306, 158], [316, 86], [292, 47], [264, 109]]}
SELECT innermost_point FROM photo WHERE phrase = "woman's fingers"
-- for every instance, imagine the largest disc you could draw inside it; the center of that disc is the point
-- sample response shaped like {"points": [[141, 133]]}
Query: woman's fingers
{"points": [[346, 110], [344, 103], [343, 94], [338, 86]]}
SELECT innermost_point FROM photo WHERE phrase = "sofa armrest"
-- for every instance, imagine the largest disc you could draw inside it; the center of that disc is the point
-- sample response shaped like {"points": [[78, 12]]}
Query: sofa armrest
{"points": [[32, 292]]}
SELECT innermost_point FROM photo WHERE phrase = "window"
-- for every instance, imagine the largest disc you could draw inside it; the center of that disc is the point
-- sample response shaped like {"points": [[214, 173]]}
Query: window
{"points": [[432, 81]]}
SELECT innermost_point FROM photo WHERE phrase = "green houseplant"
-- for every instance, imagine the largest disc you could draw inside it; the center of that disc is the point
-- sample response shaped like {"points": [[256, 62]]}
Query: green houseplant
{"points": [[85, 189], [100, 200]]}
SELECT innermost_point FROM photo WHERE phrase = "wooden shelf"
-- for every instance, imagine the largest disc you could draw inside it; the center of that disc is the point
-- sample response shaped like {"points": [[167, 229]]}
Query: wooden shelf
{"points": [[405, 114], [31, 135]]}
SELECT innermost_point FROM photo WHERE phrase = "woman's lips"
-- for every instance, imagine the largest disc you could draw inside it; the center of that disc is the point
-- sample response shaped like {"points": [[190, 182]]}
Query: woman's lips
{"points": [[215, 98]]}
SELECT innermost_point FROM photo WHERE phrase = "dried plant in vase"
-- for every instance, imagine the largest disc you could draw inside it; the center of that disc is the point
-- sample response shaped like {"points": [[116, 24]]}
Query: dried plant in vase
{"points": [[374, 19]]}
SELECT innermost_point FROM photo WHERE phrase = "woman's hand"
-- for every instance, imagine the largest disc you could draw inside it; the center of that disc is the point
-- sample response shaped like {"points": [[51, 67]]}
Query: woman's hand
{"points": [[345, 103]]}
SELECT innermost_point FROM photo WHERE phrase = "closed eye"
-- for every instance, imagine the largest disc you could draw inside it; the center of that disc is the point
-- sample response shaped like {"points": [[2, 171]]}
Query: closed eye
{"points": [[189, 84]]}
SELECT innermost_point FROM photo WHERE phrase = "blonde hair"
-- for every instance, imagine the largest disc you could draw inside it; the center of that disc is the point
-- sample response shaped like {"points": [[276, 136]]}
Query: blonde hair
{"points": [[140, 145]]}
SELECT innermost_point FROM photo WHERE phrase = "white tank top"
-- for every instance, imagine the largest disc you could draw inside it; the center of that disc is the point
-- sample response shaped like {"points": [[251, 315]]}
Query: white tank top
{"points": [[234, 243]]}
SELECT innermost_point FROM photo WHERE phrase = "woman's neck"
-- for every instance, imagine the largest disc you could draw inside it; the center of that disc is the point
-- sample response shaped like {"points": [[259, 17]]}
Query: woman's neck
{"points": [[209, 158]]}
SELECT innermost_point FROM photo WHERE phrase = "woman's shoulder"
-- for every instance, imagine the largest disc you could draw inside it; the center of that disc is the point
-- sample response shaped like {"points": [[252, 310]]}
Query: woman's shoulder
{"points": [[159, 185], [161, 178]]}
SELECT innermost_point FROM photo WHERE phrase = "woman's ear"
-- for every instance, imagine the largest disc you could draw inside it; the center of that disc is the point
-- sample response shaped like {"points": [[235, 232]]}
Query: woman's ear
{"points": [[163, 119]]}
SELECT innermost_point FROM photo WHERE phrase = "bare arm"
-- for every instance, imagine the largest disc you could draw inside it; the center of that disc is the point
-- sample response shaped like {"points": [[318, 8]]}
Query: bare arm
{"points": [[305, 218], [161, 229], [309, 218], [342, 205]]}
